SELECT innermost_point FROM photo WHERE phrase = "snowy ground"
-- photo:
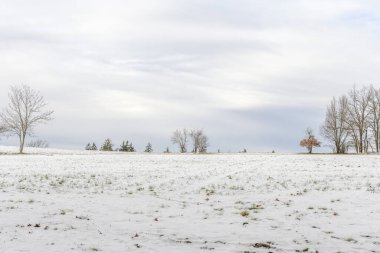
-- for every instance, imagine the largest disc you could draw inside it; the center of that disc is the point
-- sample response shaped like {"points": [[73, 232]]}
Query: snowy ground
{"points": [[78, 202]]}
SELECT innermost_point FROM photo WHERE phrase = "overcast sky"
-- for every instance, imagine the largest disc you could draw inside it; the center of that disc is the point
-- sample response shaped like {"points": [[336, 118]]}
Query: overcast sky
{"points": [[252, 74]]}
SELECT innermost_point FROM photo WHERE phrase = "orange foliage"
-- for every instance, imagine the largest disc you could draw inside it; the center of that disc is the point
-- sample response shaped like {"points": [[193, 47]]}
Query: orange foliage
{"points": [[310, 143]]}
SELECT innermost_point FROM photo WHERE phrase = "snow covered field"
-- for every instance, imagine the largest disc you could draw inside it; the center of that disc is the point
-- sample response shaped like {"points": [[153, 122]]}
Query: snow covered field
{"points": [[85, 202]]}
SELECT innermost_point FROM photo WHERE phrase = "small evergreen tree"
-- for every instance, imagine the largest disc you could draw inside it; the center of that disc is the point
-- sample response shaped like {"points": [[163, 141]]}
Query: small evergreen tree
{"points": [[107, 145], [127, 147], [88, 146], [148, 148], [167, 150], [91, 147], [124, 146], [131, 148]]}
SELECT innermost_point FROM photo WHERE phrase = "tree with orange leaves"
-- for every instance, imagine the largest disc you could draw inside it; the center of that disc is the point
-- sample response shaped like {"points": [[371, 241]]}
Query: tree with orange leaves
{"points": [[310, 141]]}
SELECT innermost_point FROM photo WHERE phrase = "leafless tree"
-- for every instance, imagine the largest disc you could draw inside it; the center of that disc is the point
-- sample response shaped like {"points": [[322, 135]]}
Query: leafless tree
{"points": [[374, 117], [335, 128], [195, 135], [26, 110], [180, 137], [203, 144], [357, 122], [199, 140]]}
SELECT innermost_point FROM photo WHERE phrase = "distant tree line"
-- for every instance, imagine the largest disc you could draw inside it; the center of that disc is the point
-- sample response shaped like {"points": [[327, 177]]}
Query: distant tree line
{"points": [[352, 121], [181, 137], [125, 146]]}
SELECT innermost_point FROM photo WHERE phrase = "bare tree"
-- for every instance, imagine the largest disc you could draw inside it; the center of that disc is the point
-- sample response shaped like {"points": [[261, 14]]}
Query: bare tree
{"points": [[179, 137], [358, 108], [354, 121], [200, 141], [203, 144], [26, 110], [334, 128], [310, 141], [374, 117], [195, 135]]}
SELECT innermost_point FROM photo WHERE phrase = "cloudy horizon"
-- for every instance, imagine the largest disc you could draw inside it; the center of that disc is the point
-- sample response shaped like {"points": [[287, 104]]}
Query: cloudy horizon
{"points": [[252, 74]]}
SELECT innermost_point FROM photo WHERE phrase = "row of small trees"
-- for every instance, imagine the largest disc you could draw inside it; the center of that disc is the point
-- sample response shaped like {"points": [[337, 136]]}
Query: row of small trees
{"points": [[125, 146], [353, 121], [198, 139], [180, 137]]}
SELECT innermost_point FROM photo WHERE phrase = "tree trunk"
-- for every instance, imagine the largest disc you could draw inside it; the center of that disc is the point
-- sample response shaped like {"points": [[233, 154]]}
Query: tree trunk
{"points": [[377, 139], [337, 147], [22, 141]]}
